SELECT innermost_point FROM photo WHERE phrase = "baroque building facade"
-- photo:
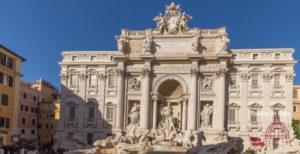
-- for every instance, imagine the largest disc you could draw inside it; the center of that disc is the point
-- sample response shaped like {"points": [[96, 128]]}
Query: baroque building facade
{"points": [[174, 77]]}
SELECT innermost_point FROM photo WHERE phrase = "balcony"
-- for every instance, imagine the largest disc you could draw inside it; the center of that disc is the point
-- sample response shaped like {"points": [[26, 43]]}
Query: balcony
{"points": [[234, 90], [278, 91], [70, 122], [233, 125], [254, 125], [255, 91], [90, 123]]}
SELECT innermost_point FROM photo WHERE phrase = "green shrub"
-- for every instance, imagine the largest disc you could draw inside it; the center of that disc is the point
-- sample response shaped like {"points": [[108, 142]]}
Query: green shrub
{"points": [[296, 127]]}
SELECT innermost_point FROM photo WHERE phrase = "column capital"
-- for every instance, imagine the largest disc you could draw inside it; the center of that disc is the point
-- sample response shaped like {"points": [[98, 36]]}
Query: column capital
{"points": [[289, 76], [102, 76], [120, 72], [64, 76], [146, 72], [221, 72], [267, 76], [194, 71], [83, 76], [245, 76]]}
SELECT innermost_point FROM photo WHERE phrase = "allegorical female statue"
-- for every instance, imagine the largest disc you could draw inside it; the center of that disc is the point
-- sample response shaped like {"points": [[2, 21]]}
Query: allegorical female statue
{"points": [[134, 115], [206, 115]]}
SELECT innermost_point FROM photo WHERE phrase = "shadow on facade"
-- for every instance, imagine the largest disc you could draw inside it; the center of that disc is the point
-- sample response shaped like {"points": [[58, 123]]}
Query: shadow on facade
{"points": [[81, 120]]}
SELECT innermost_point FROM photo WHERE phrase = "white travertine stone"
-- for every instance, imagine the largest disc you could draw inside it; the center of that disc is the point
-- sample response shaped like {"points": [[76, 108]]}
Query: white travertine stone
{"points": [[120, 98], [192, 106], [184, 117], [145, 103], [154, 124], [219, 107], [175, 54]]}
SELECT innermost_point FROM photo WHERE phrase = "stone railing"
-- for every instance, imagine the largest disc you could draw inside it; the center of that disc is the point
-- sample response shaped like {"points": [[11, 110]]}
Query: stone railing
{"points": [[233, 125], [263, 54], [257, 125], [88, 56], [136, 33]]}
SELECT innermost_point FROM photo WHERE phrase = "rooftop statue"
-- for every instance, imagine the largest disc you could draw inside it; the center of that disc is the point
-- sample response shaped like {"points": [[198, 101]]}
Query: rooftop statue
{"points": [[173, 21]]}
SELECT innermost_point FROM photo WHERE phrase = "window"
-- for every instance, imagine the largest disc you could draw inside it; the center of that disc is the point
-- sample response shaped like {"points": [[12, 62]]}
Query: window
{"points": [[110, 112], [231, 115], [255, 56], [4, 122], [93, 58], [254, 80], [34, 98], [277, 55], [6, 60], [111, 80], [91, 112], [39, 126], [294, 108], [4, 100], [2, 59], [90, 138], [26, 108], [51, 126], [23, 120], [47, 126], [74, 58], [32, 132], [9, 62], [233, 80], [72, 110], [33, 122], [73, 79], [93, 80], [295, 94], [70, 135], [24, 95], [253, 115], [277, 80], [6, 79], [1, 77], [22, 131]]}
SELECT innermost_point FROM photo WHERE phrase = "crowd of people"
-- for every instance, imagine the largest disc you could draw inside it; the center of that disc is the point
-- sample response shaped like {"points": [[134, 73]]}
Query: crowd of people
{"points": [[46, 148]]}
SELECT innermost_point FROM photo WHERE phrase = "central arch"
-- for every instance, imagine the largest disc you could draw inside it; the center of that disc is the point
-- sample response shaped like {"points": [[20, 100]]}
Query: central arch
{"points": [[170, 91], [170, 77]]}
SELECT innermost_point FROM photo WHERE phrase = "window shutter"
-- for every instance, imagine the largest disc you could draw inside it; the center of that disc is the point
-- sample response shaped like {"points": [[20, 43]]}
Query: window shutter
{"points": [[7, 122], [10, 81], [1, 77]]}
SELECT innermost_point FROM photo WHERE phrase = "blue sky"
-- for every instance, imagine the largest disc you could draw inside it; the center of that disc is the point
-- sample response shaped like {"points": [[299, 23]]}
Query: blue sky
{"points": [[40, 29]]}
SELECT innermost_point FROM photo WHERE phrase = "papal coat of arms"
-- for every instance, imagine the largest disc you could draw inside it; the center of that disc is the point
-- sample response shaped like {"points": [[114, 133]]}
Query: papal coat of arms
{"points": [[173, 21]]}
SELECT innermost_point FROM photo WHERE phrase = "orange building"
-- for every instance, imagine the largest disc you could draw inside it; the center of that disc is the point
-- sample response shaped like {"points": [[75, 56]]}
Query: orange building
{"points": [[28, 115], [10, 75], [296, 102], [46, 116]]}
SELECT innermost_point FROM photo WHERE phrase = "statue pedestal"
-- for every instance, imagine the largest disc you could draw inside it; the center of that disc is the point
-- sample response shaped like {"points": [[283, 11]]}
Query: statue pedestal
{"points": [[156, 149]]}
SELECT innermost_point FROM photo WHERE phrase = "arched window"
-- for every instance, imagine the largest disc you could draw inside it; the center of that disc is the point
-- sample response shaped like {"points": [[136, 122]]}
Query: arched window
{"points": [[73, 78], [90, 110], [92, 78], [277, 77], [254, 113], [111, 79], [110, 113], [71, 108], [255, 77]]}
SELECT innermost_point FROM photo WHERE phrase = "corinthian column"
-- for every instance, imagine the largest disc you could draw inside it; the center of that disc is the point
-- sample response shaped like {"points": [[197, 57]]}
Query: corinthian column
{"points": [[192, 106], [145, 101], [154, 113], [120, 98], [219, 110]]}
